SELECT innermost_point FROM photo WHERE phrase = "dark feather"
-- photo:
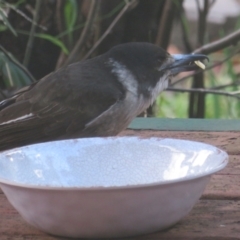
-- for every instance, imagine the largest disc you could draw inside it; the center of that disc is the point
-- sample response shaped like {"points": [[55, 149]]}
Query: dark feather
{"points": [[61, 104]]}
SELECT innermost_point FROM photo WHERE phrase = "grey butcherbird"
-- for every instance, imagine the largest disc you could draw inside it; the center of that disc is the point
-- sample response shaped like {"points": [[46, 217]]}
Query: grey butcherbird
{"points": [[96, 97]]}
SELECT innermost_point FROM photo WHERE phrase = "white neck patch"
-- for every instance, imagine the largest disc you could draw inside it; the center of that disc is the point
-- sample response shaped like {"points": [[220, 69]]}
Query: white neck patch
{"points": [[129, 81], [160, 86], [124, 76]]}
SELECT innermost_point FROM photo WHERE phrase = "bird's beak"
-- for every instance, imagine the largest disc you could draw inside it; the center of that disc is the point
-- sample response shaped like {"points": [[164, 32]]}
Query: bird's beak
{"points": [[184, 62]]}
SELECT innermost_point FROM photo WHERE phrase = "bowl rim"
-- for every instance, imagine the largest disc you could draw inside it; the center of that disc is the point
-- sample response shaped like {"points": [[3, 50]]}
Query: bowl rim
{"points": [[220, 166]]}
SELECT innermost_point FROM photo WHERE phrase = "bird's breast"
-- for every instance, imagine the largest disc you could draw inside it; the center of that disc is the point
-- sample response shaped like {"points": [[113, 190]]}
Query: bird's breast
{"points": [[118, 116]]}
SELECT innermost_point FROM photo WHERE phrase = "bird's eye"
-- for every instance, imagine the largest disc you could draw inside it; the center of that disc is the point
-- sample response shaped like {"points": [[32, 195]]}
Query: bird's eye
{"points": [[160, 59]]}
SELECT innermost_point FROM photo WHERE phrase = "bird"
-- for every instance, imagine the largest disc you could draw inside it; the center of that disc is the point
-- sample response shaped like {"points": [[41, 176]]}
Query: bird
{"points": [[97, 97]]}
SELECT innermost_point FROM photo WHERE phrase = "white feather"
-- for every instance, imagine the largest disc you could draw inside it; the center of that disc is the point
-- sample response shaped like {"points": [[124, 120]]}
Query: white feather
{"points": [[124, 76], [160, 86], [131, 106], [18, 119]]}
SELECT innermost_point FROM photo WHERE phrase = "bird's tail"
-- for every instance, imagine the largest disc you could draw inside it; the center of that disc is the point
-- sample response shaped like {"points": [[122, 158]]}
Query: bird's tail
{"points": [[20, 134]]}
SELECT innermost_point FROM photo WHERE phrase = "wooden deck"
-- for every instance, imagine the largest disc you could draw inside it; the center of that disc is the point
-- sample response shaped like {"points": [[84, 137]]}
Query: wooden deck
{"points": [[216, 216]]}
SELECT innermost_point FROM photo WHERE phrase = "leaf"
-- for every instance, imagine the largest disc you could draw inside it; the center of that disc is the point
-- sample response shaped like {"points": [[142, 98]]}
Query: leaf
{"points": [[79, 26], [20, 79], [23, 78], [9, 74], [12, 75], [6, 22], [70, 15], [50, 38], [54, 40], [19, 3], [215, 98], [3, 28]]}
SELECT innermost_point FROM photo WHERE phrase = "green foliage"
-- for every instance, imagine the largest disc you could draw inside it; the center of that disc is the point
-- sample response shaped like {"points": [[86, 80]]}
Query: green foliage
{"points": [[53, 40], [175, 105], [3, 28], [3, 17], [172, 105], [169, 104], [233, 77], [79, 26], [50, 38], [4, 6], [70, 17], [216, 110], [12, 75]]}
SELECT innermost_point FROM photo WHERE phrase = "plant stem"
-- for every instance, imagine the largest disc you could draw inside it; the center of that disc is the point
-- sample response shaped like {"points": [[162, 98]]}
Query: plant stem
{"points": [[90, 18], [32, 32], [224, 42], [197, 100], [111, 26], [204, 90]]}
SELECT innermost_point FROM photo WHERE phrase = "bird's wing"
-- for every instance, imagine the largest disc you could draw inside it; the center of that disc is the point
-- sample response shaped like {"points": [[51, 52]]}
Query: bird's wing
{"points": [[61, 103]]}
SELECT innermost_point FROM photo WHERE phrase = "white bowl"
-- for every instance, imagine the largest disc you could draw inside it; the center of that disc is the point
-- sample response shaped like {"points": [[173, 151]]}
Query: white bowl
{"points": [[107, 187]]}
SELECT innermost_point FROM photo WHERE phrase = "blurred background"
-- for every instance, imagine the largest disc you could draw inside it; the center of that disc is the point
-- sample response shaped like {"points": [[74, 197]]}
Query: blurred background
{"points": [[40, 36]]}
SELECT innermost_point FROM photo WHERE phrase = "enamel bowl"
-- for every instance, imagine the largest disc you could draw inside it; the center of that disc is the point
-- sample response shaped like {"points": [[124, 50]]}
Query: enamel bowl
{"points": [[107, 187]]}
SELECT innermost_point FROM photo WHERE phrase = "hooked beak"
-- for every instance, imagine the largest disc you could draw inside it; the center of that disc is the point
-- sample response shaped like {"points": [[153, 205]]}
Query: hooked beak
{"points": [[183, 62]]}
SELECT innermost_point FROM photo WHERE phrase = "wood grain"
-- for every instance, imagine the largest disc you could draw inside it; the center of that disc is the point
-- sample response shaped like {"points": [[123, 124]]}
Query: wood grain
{"points": [[228, 141], [216, 218], [210, 219]]}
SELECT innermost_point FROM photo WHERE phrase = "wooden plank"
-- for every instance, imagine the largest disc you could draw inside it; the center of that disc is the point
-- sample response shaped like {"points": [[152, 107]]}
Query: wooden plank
{"points": [[228, 141], [233, 167], [226, 183], [177, 124], [209, 219], [218, 219], [223, 187], [12, 226]]}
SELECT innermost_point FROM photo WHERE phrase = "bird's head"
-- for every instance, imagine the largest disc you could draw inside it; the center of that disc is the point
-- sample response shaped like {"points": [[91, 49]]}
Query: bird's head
{"points": [[149, 67]]}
